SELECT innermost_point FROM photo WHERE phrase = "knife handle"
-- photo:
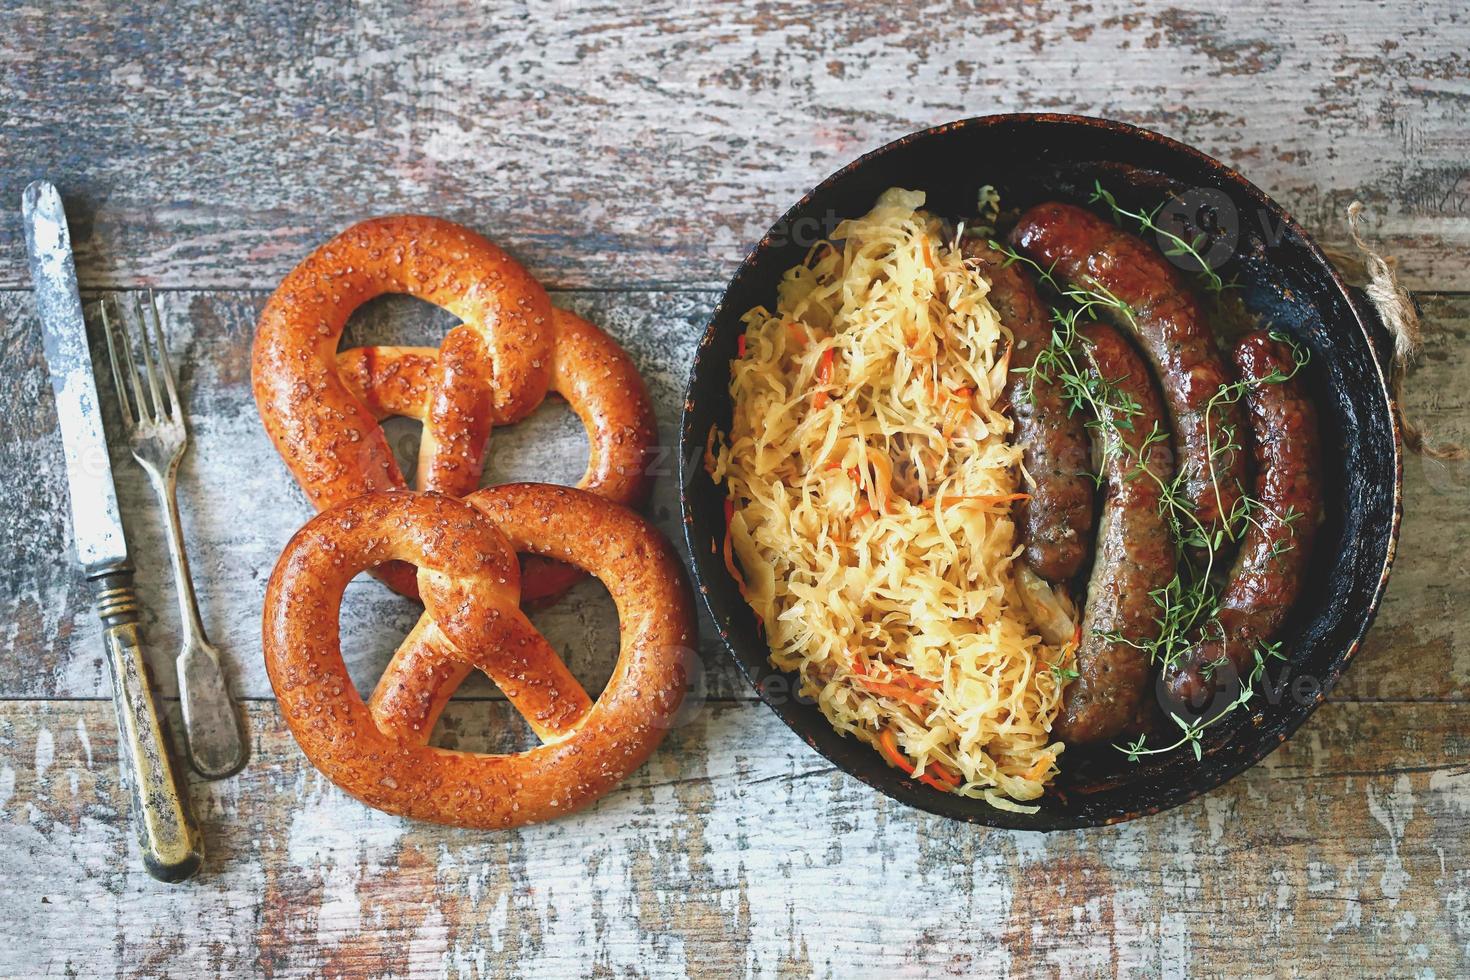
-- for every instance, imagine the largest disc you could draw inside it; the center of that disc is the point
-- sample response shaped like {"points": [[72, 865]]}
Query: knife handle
{"points": [[167, 835]]}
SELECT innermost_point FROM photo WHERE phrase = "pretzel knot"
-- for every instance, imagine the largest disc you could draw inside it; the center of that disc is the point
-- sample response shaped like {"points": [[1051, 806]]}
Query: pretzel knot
{"points": [[323, 407], [467, 575]]}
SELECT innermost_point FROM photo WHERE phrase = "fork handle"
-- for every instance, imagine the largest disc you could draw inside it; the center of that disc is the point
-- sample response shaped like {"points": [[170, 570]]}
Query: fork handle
{"points": [[212, 733], [166, 832]]}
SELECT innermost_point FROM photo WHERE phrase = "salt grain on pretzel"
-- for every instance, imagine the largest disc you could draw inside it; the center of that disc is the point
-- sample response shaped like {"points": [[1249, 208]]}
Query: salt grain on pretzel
{"points": [[322, 407], [465, 553]]}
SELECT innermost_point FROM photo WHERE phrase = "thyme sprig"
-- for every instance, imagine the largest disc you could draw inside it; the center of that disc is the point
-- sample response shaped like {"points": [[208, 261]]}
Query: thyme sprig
{"points": [[1177, 247], [1064, 675], [1192, 730], [1189, 604]]}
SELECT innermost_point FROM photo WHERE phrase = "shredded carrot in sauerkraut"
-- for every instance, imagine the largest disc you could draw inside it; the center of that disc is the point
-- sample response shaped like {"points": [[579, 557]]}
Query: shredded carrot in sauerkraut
{"points": [[871, 481]]}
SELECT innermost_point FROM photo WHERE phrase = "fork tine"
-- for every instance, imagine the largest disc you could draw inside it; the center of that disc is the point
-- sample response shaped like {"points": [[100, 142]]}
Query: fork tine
{"points": [[145, 341], [140, 403], [117, 381], [175, 408]]}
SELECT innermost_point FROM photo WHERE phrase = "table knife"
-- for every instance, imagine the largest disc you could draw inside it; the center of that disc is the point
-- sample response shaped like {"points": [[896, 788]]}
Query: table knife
{"points": [[166, 832]]}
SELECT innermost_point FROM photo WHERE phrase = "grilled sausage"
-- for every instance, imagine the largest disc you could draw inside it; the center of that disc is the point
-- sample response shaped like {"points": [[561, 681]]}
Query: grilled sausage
{"points": [[1268, 573], [1083, 250], [1135, 555], [1057, 520]]}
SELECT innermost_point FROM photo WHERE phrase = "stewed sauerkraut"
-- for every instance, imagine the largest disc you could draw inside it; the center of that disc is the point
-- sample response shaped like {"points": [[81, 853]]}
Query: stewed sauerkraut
{"points": [[871, 485]]}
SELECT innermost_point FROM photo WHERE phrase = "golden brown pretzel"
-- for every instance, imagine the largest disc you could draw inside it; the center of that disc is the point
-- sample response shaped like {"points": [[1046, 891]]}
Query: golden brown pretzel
{"points": [[468, 579], [595, 376], [322, 407]]}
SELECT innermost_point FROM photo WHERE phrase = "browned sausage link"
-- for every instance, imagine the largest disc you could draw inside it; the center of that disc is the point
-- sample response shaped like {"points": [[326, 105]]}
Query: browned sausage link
{"points": [[1268, 573], [1056, 522], [1084, 250], [1135, 556]]}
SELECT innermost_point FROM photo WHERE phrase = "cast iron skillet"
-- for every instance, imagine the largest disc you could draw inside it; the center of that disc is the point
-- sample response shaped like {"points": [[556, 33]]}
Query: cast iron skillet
{"points": [[1284, 279]]}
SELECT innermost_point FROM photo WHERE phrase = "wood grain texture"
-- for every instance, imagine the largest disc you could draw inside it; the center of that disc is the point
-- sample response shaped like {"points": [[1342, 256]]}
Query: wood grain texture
{"points": [[632, 154], [204, 145], [738, 851], [1418, 649], [240, 505]]}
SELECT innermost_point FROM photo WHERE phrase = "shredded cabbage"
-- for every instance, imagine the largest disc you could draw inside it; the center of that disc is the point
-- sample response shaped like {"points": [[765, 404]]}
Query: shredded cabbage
{"points": [[871, 477]]}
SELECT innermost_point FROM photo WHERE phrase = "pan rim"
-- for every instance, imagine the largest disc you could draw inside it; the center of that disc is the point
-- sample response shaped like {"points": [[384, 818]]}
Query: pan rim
{"points": [[905, 790]]}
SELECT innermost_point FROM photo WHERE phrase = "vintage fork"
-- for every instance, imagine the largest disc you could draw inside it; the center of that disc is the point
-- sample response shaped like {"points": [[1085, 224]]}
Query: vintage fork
{"points": [[154, 420]]}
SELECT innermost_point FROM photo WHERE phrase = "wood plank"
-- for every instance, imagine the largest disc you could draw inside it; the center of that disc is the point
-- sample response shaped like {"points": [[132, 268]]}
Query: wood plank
{"points": [[206, 147], [1417, 650], [240, 505], [737, 850]]}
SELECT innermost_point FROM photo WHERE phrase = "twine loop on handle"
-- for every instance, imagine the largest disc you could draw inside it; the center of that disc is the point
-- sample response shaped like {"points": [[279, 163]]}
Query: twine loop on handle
{"points": [[1401, 317]]}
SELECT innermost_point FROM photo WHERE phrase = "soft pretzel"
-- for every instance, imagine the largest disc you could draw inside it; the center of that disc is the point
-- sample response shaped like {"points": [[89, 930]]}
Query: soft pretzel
{"points": [[467, 576], [588, 369], [322, 407]]}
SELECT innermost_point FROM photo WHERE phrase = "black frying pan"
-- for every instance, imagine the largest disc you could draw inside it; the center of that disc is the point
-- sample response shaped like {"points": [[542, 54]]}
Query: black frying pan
{"points": [[1284, 280]]}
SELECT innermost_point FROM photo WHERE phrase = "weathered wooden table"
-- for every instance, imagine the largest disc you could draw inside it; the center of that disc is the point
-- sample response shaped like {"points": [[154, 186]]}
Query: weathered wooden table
{"points": [[629, 157]]}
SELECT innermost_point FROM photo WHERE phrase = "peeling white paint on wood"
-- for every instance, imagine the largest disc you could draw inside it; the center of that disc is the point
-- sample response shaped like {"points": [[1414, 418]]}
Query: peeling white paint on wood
{"points": [[739, 851], [1417, 649], [636, 153], [240, 505], [651, 144]]}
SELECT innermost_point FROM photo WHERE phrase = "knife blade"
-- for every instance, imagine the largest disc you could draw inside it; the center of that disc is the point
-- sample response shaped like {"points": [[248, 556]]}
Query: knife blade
{"points": [[167, 834], [95, 521]]}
